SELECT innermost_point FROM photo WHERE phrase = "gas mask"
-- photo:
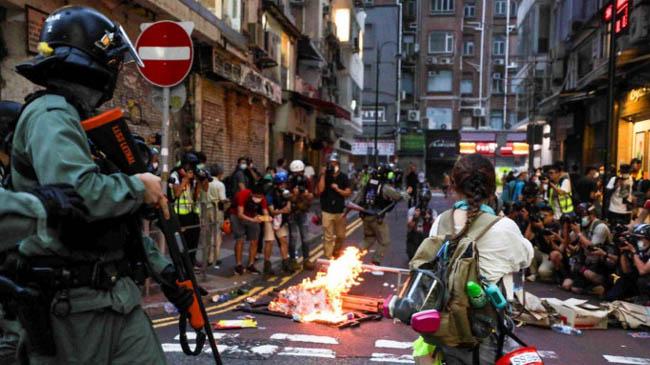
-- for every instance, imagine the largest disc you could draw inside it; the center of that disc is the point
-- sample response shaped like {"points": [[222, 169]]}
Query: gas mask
{"points": [[418, 302]]}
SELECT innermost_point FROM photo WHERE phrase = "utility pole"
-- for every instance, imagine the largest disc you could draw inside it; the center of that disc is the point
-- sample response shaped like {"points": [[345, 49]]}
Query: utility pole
{"points": [[611, 74], [480, 71], [377, 63], [505, 72]]}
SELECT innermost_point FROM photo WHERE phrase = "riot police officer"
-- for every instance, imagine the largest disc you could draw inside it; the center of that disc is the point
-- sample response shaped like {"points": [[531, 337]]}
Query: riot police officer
{"points": [[95, 314], [377, 197]]}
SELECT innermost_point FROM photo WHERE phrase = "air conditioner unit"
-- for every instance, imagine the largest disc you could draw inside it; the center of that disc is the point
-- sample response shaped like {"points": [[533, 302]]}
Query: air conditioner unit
{"points": [[499, 61], [432, 60], [640, 24], [413, 26], [413, 115], [444, 126], [446, 61], [478, 112], [416, 48], [496, 76], [432, 73]]}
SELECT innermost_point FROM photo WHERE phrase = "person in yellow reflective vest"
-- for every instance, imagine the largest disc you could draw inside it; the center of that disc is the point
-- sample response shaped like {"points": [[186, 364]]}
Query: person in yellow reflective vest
{"points": [[559, 193]]}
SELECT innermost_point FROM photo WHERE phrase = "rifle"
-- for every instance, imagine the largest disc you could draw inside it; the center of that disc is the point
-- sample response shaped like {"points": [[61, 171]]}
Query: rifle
{"points": [[110, 134]]}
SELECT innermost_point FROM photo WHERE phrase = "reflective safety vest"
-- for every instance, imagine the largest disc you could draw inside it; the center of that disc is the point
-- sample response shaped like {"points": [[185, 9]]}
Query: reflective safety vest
{"points": [[185, 204], [565, 201]]}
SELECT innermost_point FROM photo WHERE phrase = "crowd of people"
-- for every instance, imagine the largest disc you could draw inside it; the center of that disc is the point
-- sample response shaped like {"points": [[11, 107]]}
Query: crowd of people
{"points": [[588, 232]]}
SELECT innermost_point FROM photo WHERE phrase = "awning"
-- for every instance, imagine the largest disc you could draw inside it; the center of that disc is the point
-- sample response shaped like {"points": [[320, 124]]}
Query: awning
{"points": [[308, 51], [322, 105]]}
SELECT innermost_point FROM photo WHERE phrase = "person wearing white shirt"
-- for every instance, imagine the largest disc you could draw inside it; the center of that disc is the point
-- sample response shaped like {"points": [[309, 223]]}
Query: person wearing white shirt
{"points": [[217, 202], [621, 200]]}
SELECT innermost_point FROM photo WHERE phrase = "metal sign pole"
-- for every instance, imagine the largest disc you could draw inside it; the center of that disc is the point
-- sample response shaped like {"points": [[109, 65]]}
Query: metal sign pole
{"points": [[164, 144]]}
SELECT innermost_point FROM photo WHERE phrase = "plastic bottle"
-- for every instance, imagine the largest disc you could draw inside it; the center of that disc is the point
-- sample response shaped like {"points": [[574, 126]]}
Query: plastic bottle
{"points": [[170, 308], [566, 330], [496, 297], [476, 295]]}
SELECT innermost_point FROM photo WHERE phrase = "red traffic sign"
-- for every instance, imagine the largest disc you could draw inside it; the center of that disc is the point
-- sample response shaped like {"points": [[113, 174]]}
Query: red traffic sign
{"points": [[166, 50]]}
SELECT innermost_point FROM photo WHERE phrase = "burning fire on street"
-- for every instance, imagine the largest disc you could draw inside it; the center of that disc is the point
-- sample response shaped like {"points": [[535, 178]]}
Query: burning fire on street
{"points": [[320, 299]]}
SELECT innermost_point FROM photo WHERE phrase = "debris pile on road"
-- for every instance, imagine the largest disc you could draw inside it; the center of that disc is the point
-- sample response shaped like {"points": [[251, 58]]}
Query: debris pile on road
{"points": [[320, 299]]}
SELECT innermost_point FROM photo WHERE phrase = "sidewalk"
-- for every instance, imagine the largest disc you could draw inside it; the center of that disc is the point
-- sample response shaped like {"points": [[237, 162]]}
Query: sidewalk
{"points": [[222, 279]]}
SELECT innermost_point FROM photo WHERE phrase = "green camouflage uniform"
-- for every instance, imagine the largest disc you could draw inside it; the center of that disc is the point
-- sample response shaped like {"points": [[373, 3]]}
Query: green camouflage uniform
{"points": [[103, 327]]}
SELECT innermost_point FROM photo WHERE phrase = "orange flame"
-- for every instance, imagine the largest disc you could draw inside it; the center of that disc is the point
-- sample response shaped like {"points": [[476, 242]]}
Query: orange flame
{"points": [[320, 299]]}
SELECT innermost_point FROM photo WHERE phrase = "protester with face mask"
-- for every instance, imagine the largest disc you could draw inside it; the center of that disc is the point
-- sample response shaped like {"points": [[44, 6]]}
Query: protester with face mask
{"points": [[634, 271], [333, 187], [621, 200], [252, 209]]}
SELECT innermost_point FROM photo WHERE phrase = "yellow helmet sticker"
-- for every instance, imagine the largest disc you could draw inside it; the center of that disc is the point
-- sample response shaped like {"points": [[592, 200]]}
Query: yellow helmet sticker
{"points": [[45, 49]]}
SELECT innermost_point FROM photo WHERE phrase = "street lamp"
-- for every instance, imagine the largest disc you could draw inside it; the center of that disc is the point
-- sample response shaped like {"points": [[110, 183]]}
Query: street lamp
{"points": [[377, 62]]}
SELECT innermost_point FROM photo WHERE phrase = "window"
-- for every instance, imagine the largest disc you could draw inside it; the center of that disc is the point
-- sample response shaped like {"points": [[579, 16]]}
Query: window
{"points": [[439, 118], [500, 7], [439, 81], [466, 121], [496, 119], [499, 46], [467, 86], [442, 6], [513, 8], [468, 48], [469, 10], [497, 83], [407, 83], [441, 42]]}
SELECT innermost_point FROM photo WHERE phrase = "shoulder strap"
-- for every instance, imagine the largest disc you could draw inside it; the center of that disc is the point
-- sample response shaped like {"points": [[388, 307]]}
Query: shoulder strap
{"points": [[487, 227]]}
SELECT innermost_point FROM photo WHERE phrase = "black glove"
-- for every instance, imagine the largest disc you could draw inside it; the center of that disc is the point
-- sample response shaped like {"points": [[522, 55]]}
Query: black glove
{"points": [[182, 298], [62, 204]]}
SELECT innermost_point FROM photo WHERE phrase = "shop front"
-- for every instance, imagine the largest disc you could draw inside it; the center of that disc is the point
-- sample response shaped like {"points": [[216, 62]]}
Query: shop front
{"points": [[442, 150], [634, 127]]}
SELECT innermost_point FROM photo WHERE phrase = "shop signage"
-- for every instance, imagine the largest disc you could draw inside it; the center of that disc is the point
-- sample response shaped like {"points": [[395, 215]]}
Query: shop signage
{"points": [[637, 94], [368, 115], [622, 14], [363, 147], [490, 148], [442, 144], [636, 103], [246, 77], [35, 20], [412, 143]]}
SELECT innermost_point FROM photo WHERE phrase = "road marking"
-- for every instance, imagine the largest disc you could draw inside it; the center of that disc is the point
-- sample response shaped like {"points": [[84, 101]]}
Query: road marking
{"points": [[307, 352], [548, 354], [264, 350], [627, 360], [217, 336], [231, 304], [305, 338], [176, 347], [381, 357], [393, 344]]}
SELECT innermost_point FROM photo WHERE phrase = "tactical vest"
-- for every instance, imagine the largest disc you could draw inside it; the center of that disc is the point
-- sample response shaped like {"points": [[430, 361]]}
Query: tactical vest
{"points": [[565, 201], [373, 197]]}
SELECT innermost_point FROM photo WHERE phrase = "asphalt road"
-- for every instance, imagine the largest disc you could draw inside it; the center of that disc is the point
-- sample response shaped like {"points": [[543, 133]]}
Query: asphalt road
{"points": [[282, 341]]}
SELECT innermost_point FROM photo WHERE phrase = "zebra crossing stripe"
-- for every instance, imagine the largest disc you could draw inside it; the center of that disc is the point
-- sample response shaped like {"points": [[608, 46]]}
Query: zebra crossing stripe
{"points": [[389, 344], [325, 340], [627, 360], [176, 347], [382, 357], [217, 336], [307, 352]]}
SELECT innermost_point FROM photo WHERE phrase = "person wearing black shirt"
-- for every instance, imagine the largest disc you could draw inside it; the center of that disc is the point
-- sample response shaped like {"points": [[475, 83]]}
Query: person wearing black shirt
{"points": [[412, 182], [543, 232], [333, 187], [586, 186]]}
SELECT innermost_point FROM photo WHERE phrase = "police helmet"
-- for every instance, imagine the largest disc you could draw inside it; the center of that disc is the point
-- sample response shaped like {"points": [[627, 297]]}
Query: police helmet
{"points": [[334, 157], [642, 230], [81, 45], [281, 177]]}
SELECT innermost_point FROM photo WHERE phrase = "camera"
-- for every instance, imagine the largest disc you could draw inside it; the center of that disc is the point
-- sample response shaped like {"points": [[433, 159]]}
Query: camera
{"points": [[569, 218], [203, 175], [621, 235], [300, 182], [286, 194]]}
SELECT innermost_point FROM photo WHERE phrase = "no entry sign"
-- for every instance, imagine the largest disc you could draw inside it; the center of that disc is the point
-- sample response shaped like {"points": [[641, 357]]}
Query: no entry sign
{"points": [[166, 50]]}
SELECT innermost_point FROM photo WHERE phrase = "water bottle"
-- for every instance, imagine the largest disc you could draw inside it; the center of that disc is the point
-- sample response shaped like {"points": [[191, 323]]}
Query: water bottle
{"points": [[496, 297], [170, 308], [566, 330], [476, 295]]}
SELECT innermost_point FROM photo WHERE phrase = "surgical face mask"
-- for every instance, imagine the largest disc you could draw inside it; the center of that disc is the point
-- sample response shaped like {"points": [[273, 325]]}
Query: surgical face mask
{"points": [[625, 176], [257, 200], [596, 175], [545, 186], [585, 221], [336, 169], [243, 166], [642, 245]]}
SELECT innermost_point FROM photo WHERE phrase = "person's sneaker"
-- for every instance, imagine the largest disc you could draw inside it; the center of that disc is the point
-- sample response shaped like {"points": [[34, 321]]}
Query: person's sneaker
{"points": [[251, 269], [239, 270], [531, 278], [294, 265], [268, 269], [308, 265]]}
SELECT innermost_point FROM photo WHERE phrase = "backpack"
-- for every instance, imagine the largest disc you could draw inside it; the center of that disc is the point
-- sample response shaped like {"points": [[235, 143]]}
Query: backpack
{"points": [[461, 325]]}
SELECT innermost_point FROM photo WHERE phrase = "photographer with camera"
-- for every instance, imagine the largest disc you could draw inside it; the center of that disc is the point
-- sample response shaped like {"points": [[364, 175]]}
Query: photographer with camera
{"points": [[301, 199], [188, 182], [619, 197], [559, 191], [595, 256], [543, 232], [634, 270], [333, 187]]}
